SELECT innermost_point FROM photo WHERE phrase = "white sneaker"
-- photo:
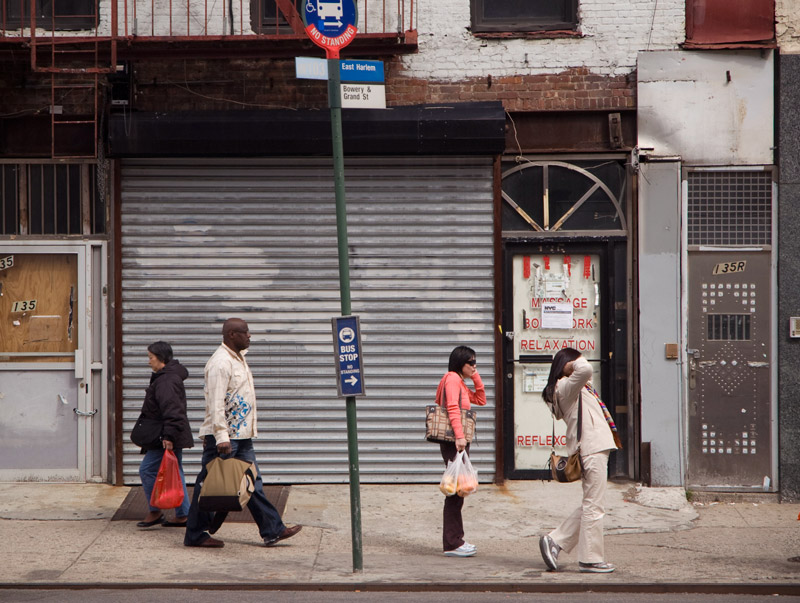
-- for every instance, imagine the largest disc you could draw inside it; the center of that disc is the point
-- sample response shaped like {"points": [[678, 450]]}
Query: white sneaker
{"points": [[462, 551], [596, 568], [549, 550], [469, 546]]}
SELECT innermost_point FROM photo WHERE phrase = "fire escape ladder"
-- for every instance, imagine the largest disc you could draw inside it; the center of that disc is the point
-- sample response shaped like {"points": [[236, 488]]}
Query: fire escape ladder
{"points": [[74, 59]]}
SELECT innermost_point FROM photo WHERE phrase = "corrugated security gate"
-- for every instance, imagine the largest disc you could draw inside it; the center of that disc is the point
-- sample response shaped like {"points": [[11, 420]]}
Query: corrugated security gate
{"points": [[205, 240]]}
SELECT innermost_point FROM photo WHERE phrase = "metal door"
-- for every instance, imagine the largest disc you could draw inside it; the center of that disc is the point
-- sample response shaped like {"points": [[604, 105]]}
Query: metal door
{"points": [[729, 380], [43, 387]]}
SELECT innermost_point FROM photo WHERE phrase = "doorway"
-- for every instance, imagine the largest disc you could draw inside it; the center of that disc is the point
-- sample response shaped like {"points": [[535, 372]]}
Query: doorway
{"points": [[730, 327], [566, 283], [47, 374]]}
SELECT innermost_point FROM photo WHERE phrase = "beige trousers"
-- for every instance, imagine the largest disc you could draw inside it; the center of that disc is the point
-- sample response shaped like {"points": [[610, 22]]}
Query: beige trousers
{"points": [[584, 526]]}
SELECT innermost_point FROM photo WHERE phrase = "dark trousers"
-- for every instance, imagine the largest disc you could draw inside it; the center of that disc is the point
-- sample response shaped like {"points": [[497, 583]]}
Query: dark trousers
{"points": [[265, 515], [452, 526]]}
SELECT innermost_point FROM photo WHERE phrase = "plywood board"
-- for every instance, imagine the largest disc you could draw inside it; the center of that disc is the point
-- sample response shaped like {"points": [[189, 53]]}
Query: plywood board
{"points": [[39, 307]]}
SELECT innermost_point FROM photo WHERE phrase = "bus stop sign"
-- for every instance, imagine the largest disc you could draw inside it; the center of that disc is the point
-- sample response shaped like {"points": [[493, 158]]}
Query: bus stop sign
{"points": [[331, 24], [347, 353]]}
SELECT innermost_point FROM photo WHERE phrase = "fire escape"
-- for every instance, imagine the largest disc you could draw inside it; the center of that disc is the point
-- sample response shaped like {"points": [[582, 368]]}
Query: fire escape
{"points": [[74, 65], [79, 51]]}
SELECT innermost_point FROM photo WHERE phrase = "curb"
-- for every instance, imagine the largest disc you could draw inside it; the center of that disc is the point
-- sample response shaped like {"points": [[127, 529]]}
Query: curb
{"points": [[765, 589]]}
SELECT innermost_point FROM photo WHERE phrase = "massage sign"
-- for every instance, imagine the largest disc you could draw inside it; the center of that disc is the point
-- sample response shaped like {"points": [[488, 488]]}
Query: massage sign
{"points": [[556, 305], [562, 299]]}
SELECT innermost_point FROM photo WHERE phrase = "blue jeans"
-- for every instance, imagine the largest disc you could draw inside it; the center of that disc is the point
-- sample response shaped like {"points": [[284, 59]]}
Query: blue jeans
{"points": [[148, 471], [264, 513]]}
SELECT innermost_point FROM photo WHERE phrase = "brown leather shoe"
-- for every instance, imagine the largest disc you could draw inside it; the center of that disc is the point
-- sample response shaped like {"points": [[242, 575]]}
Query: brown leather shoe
{"points": [[287, 533], [210, 543]]}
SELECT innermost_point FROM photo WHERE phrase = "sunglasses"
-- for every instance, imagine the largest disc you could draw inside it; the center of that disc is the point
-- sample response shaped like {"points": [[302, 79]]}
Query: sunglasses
{"points": [[472, 362]]}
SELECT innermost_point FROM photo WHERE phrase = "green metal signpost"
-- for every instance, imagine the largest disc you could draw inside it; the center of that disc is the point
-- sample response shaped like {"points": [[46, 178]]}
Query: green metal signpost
{"points": [[332, 26]]}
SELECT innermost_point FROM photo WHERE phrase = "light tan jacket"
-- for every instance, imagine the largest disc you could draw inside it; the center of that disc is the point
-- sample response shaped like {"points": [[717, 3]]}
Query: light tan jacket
{"points": [[230, 397], [596, 435]]}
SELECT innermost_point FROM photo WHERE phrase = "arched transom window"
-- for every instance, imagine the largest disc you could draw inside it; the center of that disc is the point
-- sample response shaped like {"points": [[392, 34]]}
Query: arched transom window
{"points": [[548, 196]]}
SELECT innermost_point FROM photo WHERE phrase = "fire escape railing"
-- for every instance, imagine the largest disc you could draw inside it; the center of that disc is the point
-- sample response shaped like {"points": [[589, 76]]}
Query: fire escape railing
{"points": [[74, 48], [132, 20]]}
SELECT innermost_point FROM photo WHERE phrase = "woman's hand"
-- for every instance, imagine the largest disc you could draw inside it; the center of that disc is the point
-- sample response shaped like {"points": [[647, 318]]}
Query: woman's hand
{"points": [[167, 444], [569, 368], [461, 444]]}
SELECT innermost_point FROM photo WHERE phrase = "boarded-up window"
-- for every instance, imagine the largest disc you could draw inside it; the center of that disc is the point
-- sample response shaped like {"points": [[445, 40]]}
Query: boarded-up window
{"points": [[724, 22]]}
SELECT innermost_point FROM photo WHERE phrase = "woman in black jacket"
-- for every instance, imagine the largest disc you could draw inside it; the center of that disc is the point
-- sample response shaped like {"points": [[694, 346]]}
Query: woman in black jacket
{"points": [[165, 401]]}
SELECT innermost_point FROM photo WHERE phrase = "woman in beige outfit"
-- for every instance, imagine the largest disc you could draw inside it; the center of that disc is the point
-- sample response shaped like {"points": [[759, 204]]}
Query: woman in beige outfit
{"points": [[569, 375]]}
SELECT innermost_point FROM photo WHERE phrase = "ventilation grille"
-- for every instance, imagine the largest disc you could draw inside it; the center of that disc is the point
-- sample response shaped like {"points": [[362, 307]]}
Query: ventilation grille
{"points": [[730, 208]]}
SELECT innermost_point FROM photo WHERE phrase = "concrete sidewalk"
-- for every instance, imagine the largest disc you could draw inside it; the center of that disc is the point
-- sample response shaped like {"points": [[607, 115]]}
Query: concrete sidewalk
{"points": [[62, 535]]}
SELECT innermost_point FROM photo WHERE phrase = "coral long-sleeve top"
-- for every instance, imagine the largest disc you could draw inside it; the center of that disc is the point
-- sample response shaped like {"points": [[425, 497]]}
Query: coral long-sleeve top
{"points": [[448, 391]]}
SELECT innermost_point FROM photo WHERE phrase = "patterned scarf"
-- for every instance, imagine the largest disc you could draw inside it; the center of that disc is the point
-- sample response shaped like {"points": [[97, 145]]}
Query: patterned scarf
{"points": [[606, 414]]}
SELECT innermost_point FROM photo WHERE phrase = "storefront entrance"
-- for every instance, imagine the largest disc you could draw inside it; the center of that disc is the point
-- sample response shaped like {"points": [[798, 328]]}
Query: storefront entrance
{"points": [[562, 288], [50, 388]]}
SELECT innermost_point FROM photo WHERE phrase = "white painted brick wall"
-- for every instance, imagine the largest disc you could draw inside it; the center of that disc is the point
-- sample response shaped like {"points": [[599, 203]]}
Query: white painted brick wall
{"points": [[613, 32], [206, 17]]}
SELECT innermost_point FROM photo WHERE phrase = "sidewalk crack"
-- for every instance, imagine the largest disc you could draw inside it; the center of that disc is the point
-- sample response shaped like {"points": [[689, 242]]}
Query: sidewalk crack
{"points": [[86, 548]]}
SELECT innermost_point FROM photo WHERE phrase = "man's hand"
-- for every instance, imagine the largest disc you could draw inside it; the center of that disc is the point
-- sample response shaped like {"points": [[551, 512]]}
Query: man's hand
{"points": [[167, 444], [224, 448], [461, 444]]}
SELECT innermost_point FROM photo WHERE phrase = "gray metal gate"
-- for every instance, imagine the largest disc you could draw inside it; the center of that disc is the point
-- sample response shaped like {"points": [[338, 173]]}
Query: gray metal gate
{"points": [[204, 240], [730, 330]]}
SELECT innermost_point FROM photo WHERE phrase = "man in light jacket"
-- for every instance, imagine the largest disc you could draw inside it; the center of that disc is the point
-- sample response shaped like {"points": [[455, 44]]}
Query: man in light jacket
{"points": [[227, 430]]}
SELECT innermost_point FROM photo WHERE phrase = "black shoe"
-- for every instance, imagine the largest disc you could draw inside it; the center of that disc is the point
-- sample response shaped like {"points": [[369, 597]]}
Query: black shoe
{"points": [[287, 533], [209, 543], [149, 524]]}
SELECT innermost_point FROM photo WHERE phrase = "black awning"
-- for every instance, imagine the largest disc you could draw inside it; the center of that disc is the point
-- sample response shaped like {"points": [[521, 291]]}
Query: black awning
{"points": [[446, 129]]}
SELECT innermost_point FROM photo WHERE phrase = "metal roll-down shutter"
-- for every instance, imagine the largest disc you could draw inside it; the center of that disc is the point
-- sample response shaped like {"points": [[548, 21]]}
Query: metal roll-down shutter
{"points": [[208, 239]]}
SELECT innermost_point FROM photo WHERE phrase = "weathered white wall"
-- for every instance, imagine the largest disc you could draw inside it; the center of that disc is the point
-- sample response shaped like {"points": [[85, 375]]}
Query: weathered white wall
{"points": [[208, 17], [613, 33], [708, 107], [787, 25], [660, 318]]}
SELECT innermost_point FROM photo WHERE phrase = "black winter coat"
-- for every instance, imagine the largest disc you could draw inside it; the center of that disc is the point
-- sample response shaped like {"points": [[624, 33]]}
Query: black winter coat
{"points": [[165, 400]]}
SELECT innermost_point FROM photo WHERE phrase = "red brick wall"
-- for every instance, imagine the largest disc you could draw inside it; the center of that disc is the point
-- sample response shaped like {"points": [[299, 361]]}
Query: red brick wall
{"points": [[232, 84]]}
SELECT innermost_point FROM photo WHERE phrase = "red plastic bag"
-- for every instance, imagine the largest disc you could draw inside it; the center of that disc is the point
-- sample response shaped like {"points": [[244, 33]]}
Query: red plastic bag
{"points": [[168, 489]]}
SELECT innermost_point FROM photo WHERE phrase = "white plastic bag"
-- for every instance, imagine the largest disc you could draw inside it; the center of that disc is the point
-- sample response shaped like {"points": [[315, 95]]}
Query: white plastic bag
{"points": [[467, 478], [449, 483]]}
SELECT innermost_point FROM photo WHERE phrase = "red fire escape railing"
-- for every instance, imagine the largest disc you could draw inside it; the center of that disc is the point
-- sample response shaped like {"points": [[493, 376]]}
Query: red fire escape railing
{"points": [[75, 47], [184, 20]]}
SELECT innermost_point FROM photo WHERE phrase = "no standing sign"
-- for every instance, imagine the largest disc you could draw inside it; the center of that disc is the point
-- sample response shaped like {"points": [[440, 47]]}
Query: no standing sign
{"points": [[331, 24]]}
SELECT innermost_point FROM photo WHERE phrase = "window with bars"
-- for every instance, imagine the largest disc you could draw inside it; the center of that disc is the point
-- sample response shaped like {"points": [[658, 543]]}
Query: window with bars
{"points": [[72, 15], [267, 18], [50, 199], [728, 327], [730, 208]]}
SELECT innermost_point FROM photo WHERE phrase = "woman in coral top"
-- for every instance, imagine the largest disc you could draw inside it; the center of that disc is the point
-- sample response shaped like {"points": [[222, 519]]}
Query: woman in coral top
{"points": [[453, 387]]}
